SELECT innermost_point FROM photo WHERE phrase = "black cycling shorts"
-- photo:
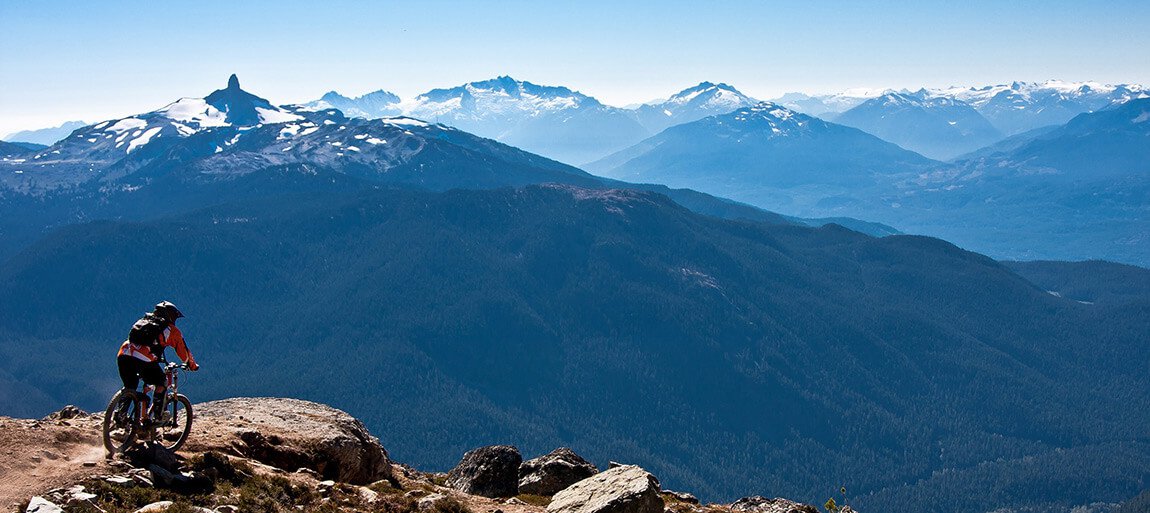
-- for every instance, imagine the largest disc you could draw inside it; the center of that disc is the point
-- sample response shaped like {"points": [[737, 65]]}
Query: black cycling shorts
{"points": [[133, 369]]}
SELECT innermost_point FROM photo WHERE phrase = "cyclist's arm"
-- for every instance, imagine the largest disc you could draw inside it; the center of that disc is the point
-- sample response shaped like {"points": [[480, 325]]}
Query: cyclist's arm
{"points": [[175, 339]]}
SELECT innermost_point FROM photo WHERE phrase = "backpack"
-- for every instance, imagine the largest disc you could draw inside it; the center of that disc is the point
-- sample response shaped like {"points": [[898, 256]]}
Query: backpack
{"points": [[147, 330]]}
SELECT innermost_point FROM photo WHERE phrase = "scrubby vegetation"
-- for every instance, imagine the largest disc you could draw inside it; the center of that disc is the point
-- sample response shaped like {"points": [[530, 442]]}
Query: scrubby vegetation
{"points": [[237, 484]]}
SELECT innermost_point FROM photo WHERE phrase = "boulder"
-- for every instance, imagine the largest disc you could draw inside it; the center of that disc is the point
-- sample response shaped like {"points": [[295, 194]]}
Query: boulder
{"points": [[760, 504], [491, 471], [623, 489], [548, 474], [292, 434], [147, 455]]}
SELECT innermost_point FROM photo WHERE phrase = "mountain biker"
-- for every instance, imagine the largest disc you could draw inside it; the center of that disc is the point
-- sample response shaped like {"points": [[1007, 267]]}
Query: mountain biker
{"points": [[140, 355]]}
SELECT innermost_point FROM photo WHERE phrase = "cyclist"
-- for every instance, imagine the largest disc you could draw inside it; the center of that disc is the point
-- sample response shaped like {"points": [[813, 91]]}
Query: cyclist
{"points": [[140, 355]]}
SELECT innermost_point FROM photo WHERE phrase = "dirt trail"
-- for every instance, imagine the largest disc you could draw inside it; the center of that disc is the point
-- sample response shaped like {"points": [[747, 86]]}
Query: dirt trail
{"points": [[39, 455]]}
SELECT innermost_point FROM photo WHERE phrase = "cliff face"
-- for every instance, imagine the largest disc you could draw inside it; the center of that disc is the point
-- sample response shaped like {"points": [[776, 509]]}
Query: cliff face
{"points": [[280, 455]]}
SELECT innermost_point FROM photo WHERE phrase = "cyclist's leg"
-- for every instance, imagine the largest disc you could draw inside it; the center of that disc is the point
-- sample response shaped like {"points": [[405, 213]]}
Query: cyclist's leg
{"points": [[153, 375], [128, 374]]}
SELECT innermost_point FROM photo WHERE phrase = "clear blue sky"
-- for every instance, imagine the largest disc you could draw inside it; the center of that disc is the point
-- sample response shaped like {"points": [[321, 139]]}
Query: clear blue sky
{"points": [[63, 60]]}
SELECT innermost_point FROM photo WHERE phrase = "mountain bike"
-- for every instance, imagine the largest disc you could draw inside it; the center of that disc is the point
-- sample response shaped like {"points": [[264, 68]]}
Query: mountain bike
{"points": [[126, 420]]}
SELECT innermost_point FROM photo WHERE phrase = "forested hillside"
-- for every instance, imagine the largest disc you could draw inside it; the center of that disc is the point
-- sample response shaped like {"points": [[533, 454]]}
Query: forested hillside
{"points": [[727, 356]]}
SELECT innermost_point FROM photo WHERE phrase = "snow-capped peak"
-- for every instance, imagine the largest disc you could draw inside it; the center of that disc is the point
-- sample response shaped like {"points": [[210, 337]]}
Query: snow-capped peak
{"points": [[708, 95]]}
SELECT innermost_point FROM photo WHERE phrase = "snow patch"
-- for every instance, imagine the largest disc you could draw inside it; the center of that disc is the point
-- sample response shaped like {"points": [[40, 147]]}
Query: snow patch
{"points": [[143, 139], [401, 121], [194, 111], [126, 124], [275, 116]]}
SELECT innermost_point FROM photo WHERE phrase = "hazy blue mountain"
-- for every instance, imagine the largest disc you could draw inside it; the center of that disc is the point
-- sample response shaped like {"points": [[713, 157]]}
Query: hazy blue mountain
{"points": [[378, 104], [692, 104], [830, 106], [556, 122], [45, 136], [12, 150], [1091, 147], [1079, 191], [1009, 143], [1076, 192], [761, 147], [729, 358], [937, 127]]}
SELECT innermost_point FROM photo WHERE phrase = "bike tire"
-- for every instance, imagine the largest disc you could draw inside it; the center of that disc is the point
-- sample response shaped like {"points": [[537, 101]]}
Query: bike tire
{"points": [[113, 443], [181, 420]]}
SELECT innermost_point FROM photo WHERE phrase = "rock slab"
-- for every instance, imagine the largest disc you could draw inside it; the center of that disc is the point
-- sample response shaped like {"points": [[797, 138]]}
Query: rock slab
{"points": [[623, 489], [551, 473], [760, 504], [291, 434], [491, 471], [41, 505]]}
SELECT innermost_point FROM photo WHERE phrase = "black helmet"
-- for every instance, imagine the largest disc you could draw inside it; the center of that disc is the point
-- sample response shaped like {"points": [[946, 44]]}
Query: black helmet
{"points": [[168, 311]]}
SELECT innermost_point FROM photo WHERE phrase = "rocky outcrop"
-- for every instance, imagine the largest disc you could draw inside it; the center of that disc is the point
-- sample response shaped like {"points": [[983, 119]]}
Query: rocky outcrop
{"points": [[623, 489], [491, 471], [759, 504], [291, 434], [66, 413], [551, 473]]}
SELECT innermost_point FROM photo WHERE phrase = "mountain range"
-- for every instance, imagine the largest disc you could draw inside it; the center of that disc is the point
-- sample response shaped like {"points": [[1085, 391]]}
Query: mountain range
{"points": [[113, 169], [1011, 108], [45, 136], [552, 121], [1075, 192]]}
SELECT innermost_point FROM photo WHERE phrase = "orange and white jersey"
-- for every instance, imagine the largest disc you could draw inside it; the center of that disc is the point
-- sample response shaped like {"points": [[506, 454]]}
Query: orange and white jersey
{"points": [[171, 337]]}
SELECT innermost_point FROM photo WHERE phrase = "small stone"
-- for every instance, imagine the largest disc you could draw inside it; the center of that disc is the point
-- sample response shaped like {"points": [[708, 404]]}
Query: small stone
{"points": [[89, 464], [121, 480]]}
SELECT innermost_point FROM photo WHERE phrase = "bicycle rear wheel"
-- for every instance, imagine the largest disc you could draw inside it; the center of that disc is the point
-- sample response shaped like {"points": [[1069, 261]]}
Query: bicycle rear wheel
{"points": [[120, 422], [176, 424]]}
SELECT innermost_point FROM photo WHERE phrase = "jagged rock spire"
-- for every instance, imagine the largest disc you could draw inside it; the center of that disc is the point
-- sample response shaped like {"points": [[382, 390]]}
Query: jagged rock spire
{"points": [[233, 82]]}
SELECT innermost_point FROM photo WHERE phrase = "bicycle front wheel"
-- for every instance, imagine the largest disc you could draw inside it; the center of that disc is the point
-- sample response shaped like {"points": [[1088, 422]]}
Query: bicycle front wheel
{"points": [[176, 424], [120, 422]]}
